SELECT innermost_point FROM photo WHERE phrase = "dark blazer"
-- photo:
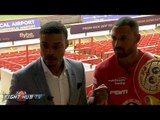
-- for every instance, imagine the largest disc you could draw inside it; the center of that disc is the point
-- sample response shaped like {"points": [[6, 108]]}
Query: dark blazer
{"points": [[31, 79]]}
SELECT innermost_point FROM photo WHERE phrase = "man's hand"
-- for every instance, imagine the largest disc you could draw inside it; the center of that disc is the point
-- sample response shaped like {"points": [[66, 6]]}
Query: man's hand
{"points": [[101, 95]]}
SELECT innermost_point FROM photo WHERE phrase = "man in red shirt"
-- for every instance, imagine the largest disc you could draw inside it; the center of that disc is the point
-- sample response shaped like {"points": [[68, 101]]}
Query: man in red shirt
{"points": [[123, 79]]}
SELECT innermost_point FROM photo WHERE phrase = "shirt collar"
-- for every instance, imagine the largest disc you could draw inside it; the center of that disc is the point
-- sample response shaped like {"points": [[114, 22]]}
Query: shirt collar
{"points": [[45, 68]]}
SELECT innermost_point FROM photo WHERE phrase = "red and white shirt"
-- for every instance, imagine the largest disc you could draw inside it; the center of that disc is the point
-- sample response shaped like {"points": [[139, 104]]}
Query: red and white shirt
{"points": [[118, 80]]}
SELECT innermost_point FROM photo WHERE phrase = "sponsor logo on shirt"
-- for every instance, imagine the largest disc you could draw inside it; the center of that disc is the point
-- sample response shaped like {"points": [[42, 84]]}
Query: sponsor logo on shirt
{"points": [[118, 81], [119, 92]]}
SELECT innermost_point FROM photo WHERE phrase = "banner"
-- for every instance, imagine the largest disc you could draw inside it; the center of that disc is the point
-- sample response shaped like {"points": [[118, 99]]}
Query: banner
{"points": [[18, 25], [92, 18], [107, 25], [19, 35]]}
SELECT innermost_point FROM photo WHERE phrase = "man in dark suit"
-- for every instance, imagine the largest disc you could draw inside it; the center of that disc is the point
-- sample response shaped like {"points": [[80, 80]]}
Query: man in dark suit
{"points": [[60, 81]]}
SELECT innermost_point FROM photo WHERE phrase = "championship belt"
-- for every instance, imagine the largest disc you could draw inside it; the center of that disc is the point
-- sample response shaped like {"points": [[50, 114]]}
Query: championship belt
{"points": [[147, 81]]}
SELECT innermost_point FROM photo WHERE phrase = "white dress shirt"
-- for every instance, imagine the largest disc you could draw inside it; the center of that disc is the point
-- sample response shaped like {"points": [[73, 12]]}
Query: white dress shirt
{"points": [[58, 86]]}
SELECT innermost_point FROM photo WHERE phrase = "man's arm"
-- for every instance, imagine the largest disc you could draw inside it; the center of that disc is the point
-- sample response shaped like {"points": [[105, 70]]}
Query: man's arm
{"points": [[83, 99], [15, 87]]}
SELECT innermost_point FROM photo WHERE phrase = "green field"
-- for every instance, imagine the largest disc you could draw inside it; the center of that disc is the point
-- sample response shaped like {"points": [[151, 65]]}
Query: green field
{"points": [[13, 17]]}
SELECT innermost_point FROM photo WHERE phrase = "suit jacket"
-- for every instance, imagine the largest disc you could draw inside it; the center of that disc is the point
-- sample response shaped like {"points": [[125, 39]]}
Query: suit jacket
{"points": [[31, 79]]}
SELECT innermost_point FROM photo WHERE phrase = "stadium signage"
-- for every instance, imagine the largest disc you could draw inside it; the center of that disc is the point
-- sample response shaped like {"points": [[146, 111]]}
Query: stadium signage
{"points": [[107, 25], [17, 25], [19, 35]]}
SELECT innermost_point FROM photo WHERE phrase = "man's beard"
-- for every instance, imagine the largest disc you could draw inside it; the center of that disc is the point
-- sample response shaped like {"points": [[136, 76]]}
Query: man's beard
{"points": [[120, 52]]}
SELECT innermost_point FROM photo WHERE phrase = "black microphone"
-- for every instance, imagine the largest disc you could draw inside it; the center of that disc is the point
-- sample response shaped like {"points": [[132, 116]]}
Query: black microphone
{"points": [[50, 98]]}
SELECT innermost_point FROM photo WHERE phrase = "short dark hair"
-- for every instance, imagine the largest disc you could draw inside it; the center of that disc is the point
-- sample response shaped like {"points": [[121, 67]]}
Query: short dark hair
{"points": [[131, 22], [54, 27]]}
